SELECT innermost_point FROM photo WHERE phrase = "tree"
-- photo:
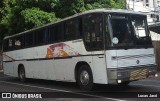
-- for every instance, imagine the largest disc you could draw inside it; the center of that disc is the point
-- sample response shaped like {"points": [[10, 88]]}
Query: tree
{"points": [[35, 17], [66, 8], [120, 4], [94, 4], [18, 12], [45, 5]]}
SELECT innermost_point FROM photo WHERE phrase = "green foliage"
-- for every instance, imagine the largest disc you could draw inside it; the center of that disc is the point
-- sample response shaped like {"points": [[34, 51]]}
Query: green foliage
{"points": [[45, 5], [66, 8], [35, 17], [94, 4]]}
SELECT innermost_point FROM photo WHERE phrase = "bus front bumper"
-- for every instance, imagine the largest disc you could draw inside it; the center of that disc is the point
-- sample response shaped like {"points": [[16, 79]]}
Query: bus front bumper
{"points": [[121, 75]]}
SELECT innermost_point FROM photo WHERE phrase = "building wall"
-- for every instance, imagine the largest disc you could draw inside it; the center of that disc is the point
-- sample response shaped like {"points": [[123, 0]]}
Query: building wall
{"points": [[150, 7], [156, 45]]}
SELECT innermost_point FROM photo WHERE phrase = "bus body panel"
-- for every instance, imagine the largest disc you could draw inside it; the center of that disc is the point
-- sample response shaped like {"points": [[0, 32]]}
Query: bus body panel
{"points": [[109, 61], [130, 64], [135, 57], [59, 68], [8, 68], [99, 68]]}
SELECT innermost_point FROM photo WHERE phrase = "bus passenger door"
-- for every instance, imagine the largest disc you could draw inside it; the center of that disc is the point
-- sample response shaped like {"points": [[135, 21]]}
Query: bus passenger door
{"points": [[93, 37]]}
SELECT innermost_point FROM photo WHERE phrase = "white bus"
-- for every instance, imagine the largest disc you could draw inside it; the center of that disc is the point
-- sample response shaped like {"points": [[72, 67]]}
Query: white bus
{"points": [[98, 46]]}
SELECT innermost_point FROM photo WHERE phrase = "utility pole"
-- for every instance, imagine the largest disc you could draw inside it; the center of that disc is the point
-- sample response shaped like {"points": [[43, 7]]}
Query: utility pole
{"points": [[154, 7], [133, 5]]}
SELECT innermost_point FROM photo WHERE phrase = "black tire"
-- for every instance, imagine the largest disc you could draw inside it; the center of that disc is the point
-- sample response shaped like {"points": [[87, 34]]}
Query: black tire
{"points": [[85, 78], [22, 75]]}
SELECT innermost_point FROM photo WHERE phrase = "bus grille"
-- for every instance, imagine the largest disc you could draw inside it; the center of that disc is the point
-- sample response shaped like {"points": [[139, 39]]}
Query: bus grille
{"points": [[138, 74]]}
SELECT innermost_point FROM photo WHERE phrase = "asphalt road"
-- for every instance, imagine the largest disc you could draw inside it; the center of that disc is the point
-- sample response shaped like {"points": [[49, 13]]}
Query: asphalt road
{"points": [[63, 91]]}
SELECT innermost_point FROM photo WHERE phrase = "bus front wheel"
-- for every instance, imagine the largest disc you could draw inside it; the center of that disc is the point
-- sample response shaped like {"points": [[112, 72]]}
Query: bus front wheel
{"points": [[85, 78], [22, 75]]}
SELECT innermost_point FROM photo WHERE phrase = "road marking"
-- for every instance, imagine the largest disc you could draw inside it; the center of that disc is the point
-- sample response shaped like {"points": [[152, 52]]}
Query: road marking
{"points": [[114, 99], [150, 81], [145, 85]]}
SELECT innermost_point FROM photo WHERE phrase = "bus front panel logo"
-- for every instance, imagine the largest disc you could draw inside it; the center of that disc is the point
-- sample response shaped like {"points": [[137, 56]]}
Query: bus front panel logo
{"points": [[137, 61]]}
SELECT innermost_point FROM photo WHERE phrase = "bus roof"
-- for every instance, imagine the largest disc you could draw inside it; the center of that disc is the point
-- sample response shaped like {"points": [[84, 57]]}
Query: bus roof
{"points": [[120, 11]]}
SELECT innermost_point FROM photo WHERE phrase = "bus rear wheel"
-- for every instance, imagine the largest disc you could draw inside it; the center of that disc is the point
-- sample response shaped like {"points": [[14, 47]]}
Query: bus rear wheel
{"points": [[85, 78], [22, 75]]}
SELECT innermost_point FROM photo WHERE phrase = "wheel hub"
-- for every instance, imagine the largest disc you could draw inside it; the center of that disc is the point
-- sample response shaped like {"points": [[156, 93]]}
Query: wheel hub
{"points": [[84, 77]]}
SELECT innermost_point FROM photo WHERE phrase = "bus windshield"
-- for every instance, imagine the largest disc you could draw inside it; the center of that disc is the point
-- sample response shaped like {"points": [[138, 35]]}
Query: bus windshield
{"points": [[129, 30]]}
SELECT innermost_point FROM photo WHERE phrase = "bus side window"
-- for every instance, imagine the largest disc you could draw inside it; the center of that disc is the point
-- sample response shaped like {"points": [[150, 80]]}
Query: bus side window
{"points": [[71, 29], [106, 29], [79, 26], [93, 32], [45, 32], [87, 31], [5, 45], [51, 34], [97, 35], [29, 39], [10, 44], [59, 32], [18, 42], [39, 37]]}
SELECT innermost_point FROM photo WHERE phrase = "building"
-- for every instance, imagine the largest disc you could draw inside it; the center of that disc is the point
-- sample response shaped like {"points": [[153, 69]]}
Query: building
{"points": [[150, 7]]}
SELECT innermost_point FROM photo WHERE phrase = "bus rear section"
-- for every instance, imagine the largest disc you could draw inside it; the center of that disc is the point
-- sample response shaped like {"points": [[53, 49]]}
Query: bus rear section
{"points": [[131, 52]]}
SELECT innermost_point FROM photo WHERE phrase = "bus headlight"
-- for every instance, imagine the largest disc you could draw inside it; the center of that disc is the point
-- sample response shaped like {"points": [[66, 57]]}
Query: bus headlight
{"points": [[119, 81]]}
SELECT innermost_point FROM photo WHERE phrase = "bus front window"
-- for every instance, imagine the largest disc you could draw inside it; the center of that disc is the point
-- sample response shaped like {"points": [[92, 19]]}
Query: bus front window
{"points": [[140, 30], [129, 30], [121, 30]]}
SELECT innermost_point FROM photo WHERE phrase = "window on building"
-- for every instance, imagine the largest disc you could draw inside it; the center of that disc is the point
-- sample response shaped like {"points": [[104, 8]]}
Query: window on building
{"points": [[147, 3]]}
